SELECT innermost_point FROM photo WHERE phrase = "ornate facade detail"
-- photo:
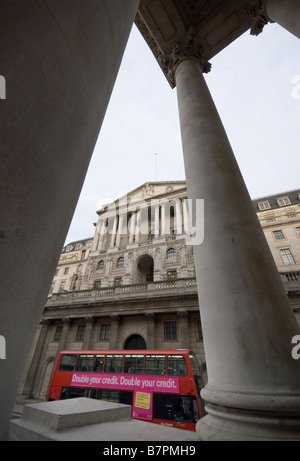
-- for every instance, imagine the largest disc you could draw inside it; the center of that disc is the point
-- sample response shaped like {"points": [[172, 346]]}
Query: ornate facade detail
{"points": [[258, 12], [182, 315], [190, 47], [150, 317]]}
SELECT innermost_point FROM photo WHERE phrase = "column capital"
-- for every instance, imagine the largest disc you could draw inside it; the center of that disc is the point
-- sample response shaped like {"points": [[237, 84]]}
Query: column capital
{"points": [[189, 48], [257, 9]]}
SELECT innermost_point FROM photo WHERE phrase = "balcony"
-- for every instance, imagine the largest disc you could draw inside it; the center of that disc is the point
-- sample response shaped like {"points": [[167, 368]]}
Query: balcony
{"points": [[291, 282], [177, 287]]}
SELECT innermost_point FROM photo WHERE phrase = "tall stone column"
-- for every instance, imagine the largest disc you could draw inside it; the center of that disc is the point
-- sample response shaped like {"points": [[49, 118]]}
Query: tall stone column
{"points": [[132, 227], [88, 333], [27, 390], [183, 318], [156, 221], [178, 216], [286, 13], [150, 317], [120, 230], [186, 219], [60, 60], [114, 232], [113, 337], [253, 389]]}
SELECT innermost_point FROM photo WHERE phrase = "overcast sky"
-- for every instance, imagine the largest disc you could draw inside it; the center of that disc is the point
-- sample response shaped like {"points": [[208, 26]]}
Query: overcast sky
{"points": [[254, 85]]}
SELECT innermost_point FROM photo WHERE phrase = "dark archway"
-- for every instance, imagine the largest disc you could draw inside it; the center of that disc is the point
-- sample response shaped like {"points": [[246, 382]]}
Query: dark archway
{"points": [[146, 268], [135, 342]]}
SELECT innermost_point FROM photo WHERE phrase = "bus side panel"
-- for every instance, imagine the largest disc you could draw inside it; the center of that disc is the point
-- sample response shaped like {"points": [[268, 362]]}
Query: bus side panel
{"points": [[61, 379]]}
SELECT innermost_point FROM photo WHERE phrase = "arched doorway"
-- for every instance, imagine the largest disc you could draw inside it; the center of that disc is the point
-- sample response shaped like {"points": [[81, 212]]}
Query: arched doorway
{"points": [[146, 268], [135, 342]]}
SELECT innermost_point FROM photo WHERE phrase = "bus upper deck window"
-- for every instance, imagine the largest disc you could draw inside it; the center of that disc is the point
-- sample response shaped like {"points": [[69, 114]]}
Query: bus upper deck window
{"points": [[113, 364], [98, 364], [176, 365], [155, 364], [67, 362], [84, 363], [134, 364]]}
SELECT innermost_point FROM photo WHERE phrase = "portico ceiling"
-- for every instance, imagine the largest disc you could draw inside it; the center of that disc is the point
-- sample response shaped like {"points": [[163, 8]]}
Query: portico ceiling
{"points": [[217, 23]]}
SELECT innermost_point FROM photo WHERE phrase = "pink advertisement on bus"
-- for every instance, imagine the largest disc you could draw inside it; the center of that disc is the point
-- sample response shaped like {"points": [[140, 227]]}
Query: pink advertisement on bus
{"points": [[142, 387]]}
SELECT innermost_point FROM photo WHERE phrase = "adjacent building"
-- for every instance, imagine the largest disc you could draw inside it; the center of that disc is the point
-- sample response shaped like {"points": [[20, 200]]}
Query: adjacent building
{"points": [[133, 285]]}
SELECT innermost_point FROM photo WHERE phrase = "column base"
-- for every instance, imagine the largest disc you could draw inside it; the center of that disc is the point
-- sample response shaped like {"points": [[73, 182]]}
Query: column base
{"points": [[223, 424]]}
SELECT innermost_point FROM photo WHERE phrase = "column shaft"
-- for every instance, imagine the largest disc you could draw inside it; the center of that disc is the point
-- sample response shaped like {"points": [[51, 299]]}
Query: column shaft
{"points": [[178, 216], [247, 321], [58, 86], [286, 13]]}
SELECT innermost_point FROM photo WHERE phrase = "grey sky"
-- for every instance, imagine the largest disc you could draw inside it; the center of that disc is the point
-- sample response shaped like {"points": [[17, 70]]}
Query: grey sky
{"points": [[252, 85]]}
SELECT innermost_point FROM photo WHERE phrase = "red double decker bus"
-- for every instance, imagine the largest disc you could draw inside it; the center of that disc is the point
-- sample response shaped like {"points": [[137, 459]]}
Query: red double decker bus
{"points": [[162, 386]]}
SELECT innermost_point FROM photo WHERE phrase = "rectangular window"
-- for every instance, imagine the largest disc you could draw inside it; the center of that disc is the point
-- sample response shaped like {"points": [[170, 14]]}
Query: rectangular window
{"points": [[57, 333], [278, 235], [155, 364], [67, 362], [134, 364], [298, 231], [176, 365], [80, 333], [287, 256], [118, 281], [283, 201], [105, 332], [175, 407], [264, 206], [62, 287], [199, 331], [66, 271], [98, 364], [172, 275], [113, 364], [170, 331], [84, 363]]}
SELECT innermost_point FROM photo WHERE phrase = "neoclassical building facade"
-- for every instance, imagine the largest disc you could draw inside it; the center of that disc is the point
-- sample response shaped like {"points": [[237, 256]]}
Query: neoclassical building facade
{"points": [[133, 285]]}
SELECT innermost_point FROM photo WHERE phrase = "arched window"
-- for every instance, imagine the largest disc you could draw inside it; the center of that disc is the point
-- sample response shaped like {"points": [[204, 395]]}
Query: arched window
{"points": [[75, 283], [100, 266], [171, 253], [120, 262]]}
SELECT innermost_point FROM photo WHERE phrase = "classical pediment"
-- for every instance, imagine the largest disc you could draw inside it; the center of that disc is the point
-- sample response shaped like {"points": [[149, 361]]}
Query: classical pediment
{"points": [[152, 190]]}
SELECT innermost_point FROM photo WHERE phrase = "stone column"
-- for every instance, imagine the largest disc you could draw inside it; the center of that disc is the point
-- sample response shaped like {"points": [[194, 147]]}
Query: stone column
{"points": [[113, 232], [137, 227], [101, 236], [35, 362], [88, 333], [178, 216], [150, 317], [163, 220], [60, 60], [156, 222], [113, 337], [186, 219], [120, 230], [286, 13], [132, 227], [67, 322], [253, 389], [184, 329]]}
